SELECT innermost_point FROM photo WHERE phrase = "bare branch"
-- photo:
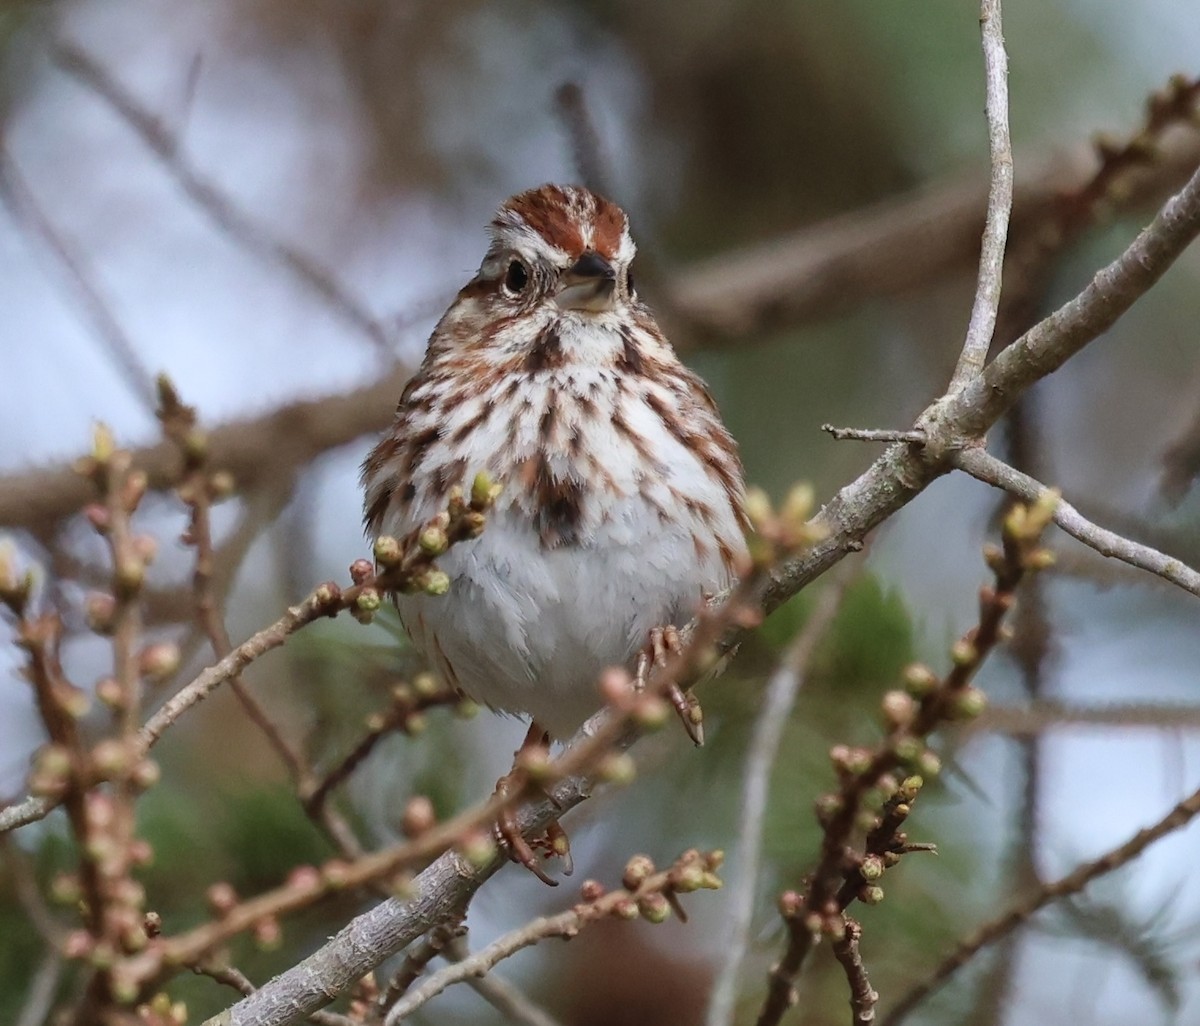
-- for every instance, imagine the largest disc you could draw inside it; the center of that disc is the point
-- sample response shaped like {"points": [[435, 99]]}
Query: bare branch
{"points": [[26, 211], [781, 691], [565, 924], [1021, 911], [893, 247], [253, 450], [956, 420], [849, 434], [985, 467], [416, 961], [587, 154], [27, 810], [1044, 715], [863, 997], [645, 894], [1000, 198], [42, 988], [219, 207], [502, 995]]}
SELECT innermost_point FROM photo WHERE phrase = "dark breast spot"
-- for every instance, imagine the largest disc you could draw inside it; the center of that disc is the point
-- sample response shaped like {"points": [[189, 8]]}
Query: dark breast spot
{"points": [[557, 504], [418, 446], [630, 359], [546, 352], [442, 477], [464, 430]]}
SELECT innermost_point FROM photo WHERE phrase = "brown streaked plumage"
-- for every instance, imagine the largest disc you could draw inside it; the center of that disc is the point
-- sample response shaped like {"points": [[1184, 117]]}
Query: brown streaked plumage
{"points": [[622, 490]]}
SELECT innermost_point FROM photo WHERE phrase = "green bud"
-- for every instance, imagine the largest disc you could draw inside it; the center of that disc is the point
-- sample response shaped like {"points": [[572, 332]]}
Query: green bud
{"points": [[871, 894], [436, 582], [654, 908], [387, 551], [968, 703], [919, 680], [637, 870], [871, 868]]}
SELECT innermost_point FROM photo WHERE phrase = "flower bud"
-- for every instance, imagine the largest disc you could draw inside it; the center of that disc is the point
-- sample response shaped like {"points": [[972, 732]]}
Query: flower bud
{"points": [[99, 611], [592, 890], [899, 708], [654, 908], [968, 703], [919, 680], [158, 662], [637, 870]]}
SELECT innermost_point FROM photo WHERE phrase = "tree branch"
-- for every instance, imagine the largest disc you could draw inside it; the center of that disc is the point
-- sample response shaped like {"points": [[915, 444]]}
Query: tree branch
{"points": [[985, 467], [254, 450], [1022, 910], [892, 247], [781, 691], [220, 208], [863, 997], [1000, 198], [25, 209]]}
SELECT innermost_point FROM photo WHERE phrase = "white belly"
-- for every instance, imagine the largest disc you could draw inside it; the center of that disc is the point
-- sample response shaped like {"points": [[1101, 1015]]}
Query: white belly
{"points": [[527, 629]]}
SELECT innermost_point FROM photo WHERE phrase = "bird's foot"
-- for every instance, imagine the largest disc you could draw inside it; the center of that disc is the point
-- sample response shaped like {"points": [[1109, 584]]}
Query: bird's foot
{"points": [[554, 843], [665, 641]]}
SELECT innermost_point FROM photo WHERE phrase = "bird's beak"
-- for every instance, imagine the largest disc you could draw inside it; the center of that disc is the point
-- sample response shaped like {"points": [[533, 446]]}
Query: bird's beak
{"points": [[590, 285]]}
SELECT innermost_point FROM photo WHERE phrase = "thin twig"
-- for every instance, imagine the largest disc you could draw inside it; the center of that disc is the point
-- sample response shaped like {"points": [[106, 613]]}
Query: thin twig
{"points": [[504, 996], [198, 492], [416, 961], [863, 997], [985, 467], [42, 989], [565, 924], [636, 898], [841, 875], [782, 688], [223, 212], [1021, 911], [29, 895], [843, 434], [1045, 715], [586, 152], [27, 211], [1000, 199]]}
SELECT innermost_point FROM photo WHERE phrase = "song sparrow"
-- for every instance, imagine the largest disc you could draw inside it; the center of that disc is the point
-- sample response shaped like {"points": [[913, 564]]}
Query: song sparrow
{"points": [[622, 490]]}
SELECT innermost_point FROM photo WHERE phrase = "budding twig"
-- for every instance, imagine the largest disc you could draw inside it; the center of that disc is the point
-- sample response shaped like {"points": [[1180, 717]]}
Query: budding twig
{"points": [[646, 894], [910, 716]]}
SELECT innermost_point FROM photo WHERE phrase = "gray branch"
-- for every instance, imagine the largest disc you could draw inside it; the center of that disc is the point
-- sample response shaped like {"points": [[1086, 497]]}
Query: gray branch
{"points": [[985, 467], [1000, 200]]}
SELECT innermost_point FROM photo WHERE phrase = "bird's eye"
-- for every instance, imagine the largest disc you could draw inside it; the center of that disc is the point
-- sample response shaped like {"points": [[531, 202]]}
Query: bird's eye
{"points": [[516, 278]]}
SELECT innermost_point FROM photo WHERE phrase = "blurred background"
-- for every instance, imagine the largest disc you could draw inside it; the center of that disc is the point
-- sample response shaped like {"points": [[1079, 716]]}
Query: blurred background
{"points": [[273, 201]]}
